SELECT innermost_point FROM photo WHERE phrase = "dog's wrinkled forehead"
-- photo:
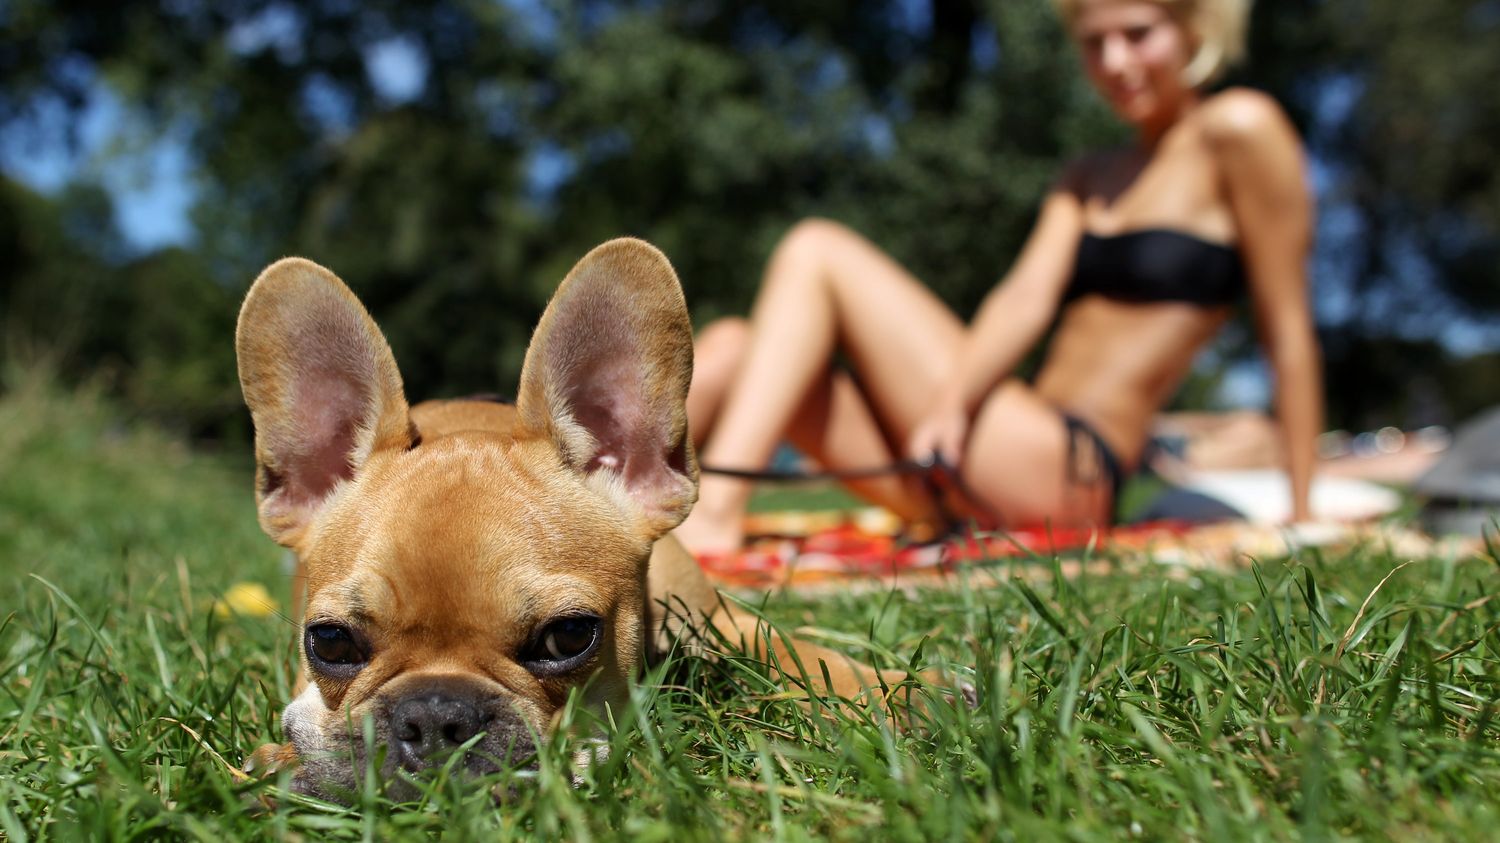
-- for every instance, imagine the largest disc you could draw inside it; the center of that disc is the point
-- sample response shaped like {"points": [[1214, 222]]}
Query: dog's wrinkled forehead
{"points": [[466, 520]]}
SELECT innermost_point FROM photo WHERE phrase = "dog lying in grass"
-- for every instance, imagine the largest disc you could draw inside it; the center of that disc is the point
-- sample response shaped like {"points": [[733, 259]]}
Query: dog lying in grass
{"points": [[465, 565]]}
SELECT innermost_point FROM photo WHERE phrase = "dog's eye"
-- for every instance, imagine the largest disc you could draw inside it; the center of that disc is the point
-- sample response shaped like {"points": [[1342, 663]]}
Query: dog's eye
{"points": [[333, 647], [569, 637], [563, 645]]}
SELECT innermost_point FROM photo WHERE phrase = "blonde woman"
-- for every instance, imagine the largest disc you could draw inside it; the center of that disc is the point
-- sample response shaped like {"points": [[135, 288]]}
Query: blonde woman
{"points": [[1139, 254]]}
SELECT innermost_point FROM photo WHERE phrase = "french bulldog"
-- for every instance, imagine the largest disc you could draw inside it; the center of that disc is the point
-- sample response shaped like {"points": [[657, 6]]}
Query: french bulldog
{"points": [[464, 565]]}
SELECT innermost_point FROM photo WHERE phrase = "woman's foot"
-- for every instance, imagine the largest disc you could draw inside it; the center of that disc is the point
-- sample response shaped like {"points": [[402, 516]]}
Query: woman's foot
{"points": [[705, 535], [714, 528]]}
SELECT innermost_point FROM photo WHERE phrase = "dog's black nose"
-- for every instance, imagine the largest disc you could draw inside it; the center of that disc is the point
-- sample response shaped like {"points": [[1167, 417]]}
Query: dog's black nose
{"points": [[425, 727]]}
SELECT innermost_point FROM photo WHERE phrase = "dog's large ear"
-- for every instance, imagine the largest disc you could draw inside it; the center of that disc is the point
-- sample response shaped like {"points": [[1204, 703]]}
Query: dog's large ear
{"points": [[606, 379], [322, 388]]}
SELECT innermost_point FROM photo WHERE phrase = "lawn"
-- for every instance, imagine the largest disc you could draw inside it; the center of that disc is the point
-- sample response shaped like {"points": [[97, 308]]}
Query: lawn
{"points": [[1305, 698]]}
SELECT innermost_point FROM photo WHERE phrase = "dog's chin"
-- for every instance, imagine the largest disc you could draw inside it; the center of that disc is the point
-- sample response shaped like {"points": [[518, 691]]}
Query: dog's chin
{"points": [[334, 752]]}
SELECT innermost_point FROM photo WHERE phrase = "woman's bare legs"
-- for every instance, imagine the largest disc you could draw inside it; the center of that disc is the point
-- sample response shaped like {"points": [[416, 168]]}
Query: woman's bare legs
{"points": [[718, 352], [833, 424], [825, 288]]}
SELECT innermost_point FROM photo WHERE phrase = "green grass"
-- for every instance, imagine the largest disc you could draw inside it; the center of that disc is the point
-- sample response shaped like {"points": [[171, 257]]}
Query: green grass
{"points": [[1300, 700]]}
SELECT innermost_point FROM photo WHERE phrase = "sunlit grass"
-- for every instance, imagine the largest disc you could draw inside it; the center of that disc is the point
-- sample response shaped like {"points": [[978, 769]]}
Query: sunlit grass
{"points": [[1315, 697]]}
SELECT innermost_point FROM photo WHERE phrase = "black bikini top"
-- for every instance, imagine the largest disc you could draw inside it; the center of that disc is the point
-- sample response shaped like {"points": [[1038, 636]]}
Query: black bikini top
{"points": [[1157, 265]]}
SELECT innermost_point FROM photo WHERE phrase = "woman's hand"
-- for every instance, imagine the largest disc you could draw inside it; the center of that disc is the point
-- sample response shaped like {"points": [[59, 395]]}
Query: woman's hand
{"points": [[944, 432], [1010, 322]]}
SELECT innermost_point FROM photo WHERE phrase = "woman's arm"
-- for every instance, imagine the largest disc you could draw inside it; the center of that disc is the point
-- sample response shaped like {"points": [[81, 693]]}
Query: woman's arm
{"points": [[1009, 323], [1261, 161]]}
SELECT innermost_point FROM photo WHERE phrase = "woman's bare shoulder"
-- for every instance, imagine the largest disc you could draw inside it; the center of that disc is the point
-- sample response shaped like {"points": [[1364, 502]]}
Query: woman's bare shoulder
{"points": [[1239, 116]]}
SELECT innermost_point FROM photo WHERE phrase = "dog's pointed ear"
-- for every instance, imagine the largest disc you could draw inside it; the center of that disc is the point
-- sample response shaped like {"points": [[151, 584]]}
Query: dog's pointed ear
{"points": [[606, 379], [322, 387]]}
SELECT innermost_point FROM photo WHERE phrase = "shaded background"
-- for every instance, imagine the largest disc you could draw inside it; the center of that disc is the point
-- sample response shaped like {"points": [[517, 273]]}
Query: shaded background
{"points": [[451, 160]]}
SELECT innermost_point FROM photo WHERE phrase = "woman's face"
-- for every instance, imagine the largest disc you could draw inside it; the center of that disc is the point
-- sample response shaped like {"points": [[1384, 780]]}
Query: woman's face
{"points": [[1134, 52]]}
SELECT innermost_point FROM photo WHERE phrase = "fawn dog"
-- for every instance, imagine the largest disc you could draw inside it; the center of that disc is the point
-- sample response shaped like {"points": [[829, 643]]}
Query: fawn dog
{"points": [[464, 564]]}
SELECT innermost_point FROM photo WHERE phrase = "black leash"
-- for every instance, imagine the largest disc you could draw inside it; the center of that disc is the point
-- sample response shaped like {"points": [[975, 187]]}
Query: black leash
{"points": [[940, 478], [926, 465]]}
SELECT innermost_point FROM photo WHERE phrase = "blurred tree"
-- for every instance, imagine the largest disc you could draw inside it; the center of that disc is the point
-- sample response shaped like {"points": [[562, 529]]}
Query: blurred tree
{"points": [[1395, 100], [176, 344], [51, 300], [1423, 142], [452, 158]]}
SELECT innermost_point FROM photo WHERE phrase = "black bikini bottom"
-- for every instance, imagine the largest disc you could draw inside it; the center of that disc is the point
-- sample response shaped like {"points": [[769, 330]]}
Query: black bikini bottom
{"points": [[1104, 467]]}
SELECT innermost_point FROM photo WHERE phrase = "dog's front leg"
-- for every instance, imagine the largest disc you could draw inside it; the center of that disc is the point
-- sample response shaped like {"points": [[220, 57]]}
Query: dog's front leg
{"points": [[270, 759]]}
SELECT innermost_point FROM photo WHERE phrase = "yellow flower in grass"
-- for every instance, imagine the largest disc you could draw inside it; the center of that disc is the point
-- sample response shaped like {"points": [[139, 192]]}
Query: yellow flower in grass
{"points": [[248, 599]]}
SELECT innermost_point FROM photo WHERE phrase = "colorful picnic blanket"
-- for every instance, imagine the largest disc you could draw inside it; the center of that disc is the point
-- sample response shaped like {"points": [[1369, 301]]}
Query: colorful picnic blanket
{"points": [[864, 548]]}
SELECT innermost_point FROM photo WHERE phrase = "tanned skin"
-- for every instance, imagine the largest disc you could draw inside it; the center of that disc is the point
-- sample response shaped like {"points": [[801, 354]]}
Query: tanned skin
{"points": [[1226, 168]]}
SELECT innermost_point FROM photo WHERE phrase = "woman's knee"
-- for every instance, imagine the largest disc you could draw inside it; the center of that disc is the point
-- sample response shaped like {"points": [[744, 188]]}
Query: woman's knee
{"points": [[813, 238], [810, 256], [723, 334], [720, 346], [718, 351]]}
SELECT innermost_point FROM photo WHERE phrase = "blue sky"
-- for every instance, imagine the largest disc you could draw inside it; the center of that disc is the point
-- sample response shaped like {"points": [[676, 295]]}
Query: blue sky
{"points": [[148, 176]]}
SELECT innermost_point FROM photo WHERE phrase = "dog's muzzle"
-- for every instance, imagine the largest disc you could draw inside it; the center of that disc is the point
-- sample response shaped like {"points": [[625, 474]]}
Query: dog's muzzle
{"points": [[426, 725]]}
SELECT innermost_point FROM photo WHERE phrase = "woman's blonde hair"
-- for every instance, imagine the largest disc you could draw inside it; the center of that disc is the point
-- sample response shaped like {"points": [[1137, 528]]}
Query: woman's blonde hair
{"points": [[1217, 25]]}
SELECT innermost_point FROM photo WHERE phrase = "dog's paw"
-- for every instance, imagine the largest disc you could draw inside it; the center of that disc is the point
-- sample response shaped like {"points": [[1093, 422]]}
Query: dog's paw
{"points": [[969, 692], [270, 759], [953, 684]]}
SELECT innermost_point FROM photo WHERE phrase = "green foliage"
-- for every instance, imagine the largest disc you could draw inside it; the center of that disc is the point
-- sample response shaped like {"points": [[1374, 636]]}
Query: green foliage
{"points": [[707, 128], [157, 329], [1425, 68], [51, 295], [1351, 695], [535, 131], [1392, 96]]}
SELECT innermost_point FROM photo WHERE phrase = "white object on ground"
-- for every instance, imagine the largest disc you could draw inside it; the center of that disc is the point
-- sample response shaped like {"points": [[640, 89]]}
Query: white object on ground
{"points": [[1265, 495]]}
